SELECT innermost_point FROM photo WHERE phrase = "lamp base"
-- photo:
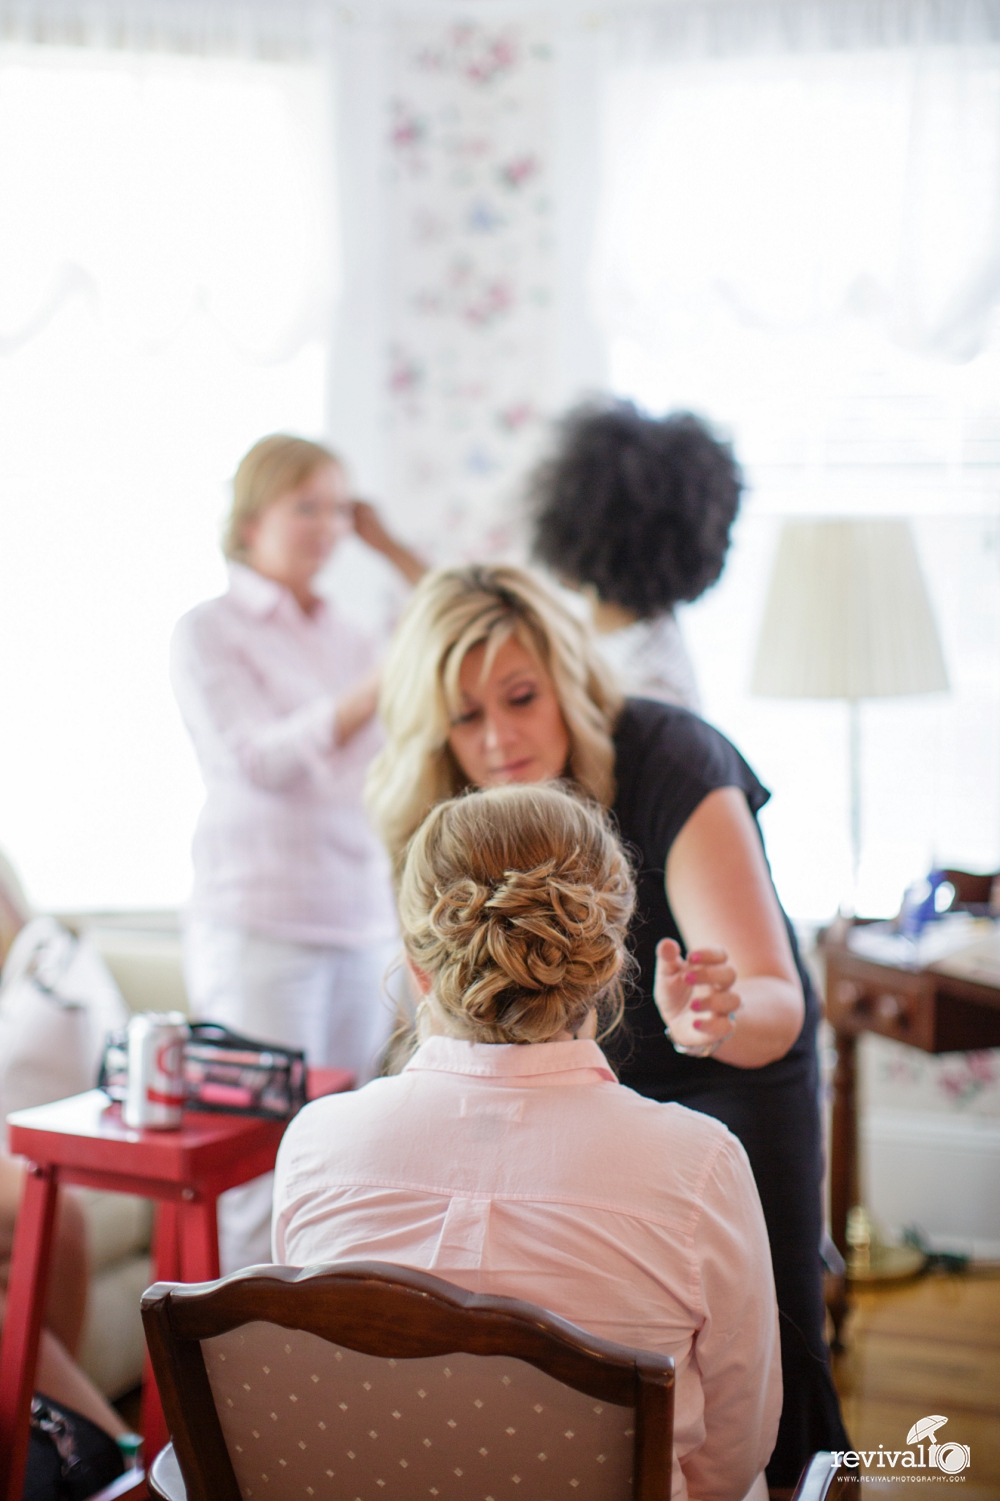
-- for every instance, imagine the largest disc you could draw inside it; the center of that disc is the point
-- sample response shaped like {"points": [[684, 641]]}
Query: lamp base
{"points": [[886, 1264], [870, 1260]]}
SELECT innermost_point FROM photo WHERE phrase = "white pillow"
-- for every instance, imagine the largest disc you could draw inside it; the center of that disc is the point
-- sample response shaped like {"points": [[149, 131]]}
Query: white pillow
{"points": [[58, 1002]]}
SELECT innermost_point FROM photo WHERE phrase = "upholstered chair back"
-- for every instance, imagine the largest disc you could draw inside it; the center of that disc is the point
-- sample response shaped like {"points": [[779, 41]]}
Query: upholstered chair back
{"points": [[370, 1382], [312, 1418]]}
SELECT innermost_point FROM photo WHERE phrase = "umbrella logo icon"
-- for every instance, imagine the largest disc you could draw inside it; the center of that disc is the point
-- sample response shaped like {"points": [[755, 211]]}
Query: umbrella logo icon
{"points": [[952, 1458], [925, 1429]]}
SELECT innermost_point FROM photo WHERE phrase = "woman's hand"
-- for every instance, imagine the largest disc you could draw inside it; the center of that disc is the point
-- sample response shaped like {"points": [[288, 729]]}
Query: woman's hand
{"points": [[369, 527], [695, 996]]}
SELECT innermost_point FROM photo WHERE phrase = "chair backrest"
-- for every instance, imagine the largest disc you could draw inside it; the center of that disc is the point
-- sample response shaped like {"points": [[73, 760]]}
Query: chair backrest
{"points": [[970, 889], [369, 1380]]}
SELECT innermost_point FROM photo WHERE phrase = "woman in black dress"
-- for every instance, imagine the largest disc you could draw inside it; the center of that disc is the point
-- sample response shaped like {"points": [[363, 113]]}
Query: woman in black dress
{"points": [[490, 680]]}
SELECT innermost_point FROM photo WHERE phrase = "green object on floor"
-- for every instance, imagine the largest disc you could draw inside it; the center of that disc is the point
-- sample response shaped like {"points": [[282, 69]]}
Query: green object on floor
{"points": [[937, 1261]]}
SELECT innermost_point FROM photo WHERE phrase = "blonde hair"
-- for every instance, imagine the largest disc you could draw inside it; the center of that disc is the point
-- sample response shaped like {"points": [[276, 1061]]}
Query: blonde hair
{"points": [[273, 466], [452, 611], [516, 901]]}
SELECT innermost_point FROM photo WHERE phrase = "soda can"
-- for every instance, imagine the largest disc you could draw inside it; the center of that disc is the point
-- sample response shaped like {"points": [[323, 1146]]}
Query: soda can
{"points": [[155, 1098]]}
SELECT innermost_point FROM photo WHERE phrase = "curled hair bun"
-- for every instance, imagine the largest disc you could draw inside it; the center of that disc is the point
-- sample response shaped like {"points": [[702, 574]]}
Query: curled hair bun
{"points": [[517, 901], [457, 913]]}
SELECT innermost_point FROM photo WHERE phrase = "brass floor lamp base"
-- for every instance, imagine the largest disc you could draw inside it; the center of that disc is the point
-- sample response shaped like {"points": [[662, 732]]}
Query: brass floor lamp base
{"points": [[869, 1260], [886, 1264]]}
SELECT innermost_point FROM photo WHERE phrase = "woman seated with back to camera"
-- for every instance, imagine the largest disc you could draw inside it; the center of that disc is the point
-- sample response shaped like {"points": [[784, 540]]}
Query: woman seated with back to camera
{"points": [[507, 1158]]}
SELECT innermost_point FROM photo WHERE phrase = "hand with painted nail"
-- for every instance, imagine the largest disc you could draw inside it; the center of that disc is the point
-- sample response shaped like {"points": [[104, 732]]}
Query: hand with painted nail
{"points": [[695, 994]]}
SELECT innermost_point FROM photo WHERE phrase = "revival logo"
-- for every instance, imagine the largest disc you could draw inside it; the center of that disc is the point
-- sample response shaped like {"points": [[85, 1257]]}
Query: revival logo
{"points": [[925, 1453]]}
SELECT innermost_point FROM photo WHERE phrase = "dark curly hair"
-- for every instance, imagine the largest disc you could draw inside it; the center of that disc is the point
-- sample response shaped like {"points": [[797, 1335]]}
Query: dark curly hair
{"points": [[639, 507]]}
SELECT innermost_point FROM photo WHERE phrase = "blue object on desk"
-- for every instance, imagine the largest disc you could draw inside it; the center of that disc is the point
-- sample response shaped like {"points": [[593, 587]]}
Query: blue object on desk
{"points": [[924, 902]]}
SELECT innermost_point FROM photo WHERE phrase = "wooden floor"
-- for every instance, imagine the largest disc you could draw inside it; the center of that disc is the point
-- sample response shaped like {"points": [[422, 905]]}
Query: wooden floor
{"points": [[927, 1347]]}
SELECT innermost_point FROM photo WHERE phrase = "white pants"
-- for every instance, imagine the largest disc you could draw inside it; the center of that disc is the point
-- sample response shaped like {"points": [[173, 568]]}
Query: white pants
{"points": [[331, 1002]]}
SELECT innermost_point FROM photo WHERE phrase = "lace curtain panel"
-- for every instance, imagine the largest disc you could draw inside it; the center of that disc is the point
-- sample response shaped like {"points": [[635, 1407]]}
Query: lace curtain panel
{"points": [[806, 247], [167, 272], [424, 238], [173, 189], [860, 186]]}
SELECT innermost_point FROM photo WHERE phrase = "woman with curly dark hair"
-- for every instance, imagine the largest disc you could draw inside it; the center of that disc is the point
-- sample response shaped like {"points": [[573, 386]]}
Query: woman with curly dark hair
{"points": [[637, 511]]}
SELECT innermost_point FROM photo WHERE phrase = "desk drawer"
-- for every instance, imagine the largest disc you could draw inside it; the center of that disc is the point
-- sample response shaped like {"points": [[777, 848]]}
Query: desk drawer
{"points": [[897, 1005]]}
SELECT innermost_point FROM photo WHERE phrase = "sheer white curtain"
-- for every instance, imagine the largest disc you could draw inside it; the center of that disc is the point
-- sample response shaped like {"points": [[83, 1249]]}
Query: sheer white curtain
{"points": [[803, 243], [167, 270]]}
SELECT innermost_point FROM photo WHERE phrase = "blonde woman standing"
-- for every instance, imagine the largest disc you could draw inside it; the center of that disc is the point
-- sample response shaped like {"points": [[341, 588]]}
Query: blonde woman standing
{"points": [[643, 1227], [491, 681], [291, 924]]}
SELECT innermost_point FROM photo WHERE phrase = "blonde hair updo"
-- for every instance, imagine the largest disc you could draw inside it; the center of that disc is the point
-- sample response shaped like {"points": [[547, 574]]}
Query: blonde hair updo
{"points": [[516, 902]]}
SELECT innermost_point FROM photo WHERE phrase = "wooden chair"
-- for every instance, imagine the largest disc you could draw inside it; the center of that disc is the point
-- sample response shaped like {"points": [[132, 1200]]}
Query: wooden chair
{"points": [[377, 1381], [373, 1380], [970, 890]]}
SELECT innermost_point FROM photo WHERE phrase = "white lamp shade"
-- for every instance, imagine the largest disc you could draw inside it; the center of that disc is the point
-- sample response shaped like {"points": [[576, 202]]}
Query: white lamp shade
{"points": [[847, 615]]}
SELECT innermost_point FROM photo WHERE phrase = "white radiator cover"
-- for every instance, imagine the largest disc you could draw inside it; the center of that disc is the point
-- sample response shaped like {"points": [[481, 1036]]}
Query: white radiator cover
{"points": [[940, 1173]]}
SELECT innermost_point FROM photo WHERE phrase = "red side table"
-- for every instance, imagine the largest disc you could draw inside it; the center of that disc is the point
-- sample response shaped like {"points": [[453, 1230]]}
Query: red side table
{"points": [[83, 1140]]}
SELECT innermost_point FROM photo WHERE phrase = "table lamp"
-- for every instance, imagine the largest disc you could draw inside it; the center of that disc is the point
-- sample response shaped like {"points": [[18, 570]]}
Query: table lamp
{"points": [[848, 616]]}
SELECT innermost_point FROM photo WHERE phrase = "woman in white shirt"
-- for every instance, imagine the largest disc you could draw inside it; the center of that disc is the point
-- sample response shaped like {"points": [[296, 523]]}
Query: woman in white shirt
{"points": [[636, 511], [507, 1158], [291, 924]]}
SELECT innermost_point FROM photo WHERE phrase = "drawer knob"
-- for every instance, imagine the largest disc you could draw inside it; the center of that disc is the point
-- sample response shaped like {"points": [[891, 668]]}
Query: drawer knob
{"points": [[851, 996], [890, 1008]]}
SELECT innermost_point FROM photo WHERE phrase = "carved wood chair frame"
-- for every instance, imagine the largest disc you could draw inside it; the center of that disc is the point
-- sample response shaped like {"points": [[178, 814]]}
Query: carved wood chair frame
{"points": [[394, 1313]]}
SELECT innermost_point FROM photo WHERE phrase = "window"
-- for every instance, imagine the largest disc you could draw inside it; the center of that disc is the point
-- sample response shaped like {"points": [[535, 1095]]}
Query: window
{"points": [[166, 271], [804, 249]]}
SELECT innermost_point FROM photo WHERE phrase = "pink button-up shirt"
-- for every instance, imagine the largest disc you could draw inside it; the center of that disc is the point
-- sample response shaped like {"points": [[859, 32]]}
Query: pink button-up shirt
{"points": [[529, 1171], [283, 846]]}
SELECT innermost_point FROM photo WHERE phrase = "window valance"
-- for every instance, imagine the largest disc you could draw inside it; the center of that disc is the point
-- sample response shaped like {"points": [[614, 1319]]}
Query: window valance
{"points": [[275, 30], [720, 28], [281, 29]]}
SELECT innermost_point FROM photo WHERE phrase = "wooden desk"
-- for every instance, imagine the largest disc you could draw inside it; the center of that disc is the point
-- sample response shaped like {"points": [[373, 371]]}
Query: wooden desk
{"points": [[935, 1012], [83, 1140]]}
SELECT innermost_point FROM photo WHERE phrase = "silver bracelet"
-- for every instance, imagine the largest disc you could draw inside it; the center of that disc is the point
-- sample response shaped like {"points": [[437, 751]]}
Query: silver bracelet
{"points": [[709, 1047]]}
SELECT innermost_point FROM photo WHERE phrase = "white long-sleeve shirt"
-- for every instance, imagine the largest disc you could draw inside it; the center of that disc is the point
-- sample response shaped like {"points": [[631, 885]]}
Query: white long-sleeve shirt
{"points": [[651, 661], [283, 846], [529, 1171]]}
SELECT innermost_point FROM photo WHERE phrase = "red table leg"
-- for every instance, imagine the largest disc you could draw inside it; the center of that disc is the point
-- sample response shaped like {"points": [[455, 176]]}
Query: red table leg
{"points": [[187, 1250], [167, 1254], [26, 1287], [199, 1240]]}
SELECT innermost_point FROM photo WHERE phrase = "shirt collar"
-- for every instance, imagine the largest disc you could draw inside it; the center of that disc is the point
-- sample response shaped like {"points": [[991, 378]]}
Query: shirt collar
{"points": [[258, 595], [509, 1060]]}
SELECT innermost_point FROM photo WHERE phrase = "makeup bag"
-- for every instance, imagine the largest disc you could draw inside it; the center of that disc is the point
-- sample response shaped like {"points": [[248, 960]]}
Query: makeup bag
{"points": [[226, 1072]]}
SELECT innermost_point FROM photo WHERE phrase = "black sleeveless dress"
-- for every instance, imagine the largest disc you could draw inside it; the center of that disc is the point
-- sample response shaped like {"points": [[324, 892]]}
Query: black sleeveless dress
{"points": [[666, 761]]}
